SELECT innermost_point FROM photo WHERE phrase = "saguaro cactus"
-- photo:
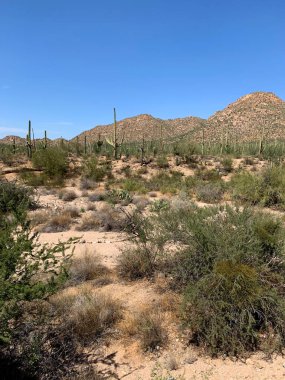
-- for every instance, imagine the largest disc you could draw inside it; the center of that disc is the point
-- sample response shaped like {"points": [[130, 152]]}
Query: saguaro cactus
{"points": [[29, 141], [45, 140], [114, 141]]}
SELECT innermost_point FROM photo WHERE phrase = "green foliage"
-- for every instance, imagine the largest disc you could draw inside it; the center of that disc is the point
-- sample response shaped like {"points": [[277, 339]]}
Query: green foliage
{"points": [[231, 263], [118, 196], [266, 188], [231, 311], [53, 161], [227, 164], [210, 192], [162, 162], [22, 259], [95, 171], [159, 205], [166, 182]]}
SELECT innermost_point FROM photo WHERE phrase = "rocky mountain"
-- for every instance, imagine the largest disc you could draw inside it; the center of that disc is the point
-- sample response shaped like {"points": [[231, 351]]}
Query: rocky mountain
{"points": [[249, 117], [244, 120], [144, 126]]}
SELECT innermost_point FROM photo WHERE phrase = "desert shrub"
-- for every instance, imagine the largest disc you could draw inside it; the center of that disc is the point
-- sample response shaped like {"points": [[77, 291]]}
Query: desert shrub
{"points": [[107, 219], [265, 188], [231, 311], [22, 260], [159, 205], [88, 315], [67, 195], [162, 162], [58, 223], [96, 197], [86, 267], [207, 174], [95, 170], [246, 187], [166, 182], [53, 161], [140, 202], [87, 184], [14, 198], [148, 326], [118, 196], [227, 165], [39, 217], [7, 157], [37, 179], [136, 262], [89, 222], [134, 185], [210, 192]]}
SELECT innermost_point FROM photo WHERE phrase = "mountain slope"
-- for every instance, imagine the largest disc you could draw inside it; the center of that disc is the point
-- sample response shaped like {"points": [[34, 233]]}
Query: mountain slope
{"points": [[147, 126], [248, 117]]}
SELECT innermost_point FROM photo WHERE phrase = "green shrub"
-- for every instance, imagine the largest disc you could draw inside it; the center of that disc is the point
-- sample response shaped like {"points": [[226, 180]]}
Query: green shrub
{"points": [[230, 311], [210, 192], [266, 188], [22, 259], [53, 161], [14, 198], [207, 175], [95, 170], [227, 164], [134, 185], [166, 182], [162, 162]]}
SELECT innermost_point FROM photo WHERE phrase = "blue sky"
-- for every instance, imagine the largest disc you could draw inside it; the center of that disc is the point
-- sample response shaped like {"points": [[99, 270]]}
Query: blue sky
{"points": [[65, 64]]}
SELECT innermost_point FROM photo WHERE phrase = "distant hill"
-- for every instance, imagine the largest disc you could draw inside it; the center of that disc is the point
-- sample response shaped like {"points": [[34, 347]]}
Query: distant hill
{"points": [[147, 126], [246, 118], [243, 120]]}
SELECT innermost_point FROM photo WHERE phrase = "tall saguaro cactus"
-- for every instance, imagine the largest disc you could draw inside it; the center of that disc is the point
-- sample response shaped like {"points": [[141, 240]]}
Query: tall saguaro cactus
{"points": [[114, 141], [29, 140]]}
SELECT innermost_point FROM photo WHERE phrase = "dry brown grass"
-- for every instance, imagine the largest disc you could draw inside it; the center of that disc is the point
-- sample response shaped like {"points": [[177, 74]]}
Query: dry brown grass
{"points": [[87, 314], [89, 222], [67, 195], [147, 326], [58, 223], [87, 267]]}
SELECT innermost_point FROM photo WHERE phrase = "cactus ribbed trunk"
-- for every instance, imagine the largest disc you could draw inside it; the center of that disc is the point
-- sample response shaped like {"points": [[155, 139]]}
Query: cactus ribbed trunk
{"points": [[29, 141], [115, 136]]}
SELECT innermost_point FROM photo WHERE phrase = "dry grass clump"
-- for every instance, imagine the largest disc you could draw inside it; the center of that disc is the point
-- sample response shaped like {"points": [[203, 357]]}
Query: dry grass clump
{"points": [[39, 217], [67, 196], [147, 326], [58, 223], [87, 184], [96, 197], [172, 363], [140, 202], [73, 211], [87, 267], [107, 218], [89, 222], [87, 314]]}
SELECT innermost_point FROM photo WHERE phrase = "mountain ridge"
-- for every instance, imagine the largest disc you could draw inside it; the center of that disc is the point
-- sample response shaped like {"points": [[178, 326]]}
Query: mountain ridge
{"points": [[245, 119]]}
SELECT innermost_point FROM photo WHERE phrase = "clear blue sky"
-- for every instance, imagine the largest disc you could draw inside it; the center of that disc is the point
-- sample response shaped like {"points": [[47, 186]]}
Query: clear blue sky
{"points": [[65, 64]]}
